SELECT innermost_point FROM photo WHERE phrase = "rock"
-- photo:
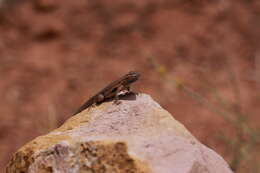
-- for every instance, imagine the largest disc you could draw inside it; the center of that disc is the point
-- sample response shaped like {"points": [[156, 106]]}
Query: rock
{"points": [[136, 136]]}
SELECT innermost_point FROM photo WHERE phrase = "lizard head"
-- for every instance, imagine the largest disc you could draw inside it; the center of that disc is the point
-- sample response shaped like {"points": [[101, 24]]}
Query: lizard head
{"points": [[131, 77]]}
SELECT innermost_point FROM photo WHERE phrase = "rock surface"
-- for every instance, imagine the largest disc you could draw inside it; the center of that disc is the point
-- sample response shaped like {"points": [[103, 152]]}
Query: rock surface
{"points": [[134, 136]]}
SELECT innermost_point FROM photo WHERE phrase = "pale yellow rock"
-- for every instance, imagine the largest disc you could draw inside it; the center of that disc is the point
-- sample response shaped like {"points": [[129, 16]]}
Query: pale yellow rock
{"points": [[134, 136]]}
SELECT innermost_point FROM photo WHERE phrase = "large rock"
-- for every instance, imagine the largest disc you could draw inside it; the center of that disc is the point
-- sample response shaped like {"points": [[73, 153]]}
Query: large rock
{"points": [[134, 136]]}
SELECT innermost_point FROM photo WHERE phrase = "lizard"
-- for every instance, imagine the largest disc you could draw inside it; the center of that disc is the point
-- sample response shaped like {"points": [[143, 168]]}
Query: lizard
{"points": [[111, 91]]}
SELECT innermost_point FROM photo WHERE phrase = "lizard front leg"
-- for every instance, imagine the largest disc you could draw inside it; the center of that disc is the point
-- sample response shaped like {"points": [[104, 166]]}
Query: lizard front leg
{"points": [[120, 88], [129, 91]]}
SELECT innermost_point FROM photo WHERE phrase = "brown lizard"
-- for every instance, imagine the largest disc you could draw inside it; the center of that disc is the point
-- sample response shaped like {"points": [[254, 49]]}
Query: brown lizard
{"points": [[111, 91]]}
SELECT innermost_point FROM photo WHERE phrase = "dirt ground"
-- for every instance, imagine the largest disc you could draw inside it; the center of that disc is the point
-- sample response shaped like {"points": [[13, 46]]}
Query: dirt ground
{"points": [[199, 59]]}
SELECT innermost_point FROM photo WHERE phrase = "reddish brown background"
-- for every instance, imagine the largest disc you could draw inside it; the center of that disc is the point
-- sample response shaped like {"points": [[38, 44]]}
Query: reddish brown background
{"points": [[55, 54]]}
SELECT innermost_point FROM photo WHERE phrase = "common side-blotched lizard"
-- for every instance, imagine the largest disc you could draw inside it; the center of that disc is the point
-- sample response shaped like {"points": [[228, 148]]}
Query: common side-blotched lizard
{"points": [[111, 91]]}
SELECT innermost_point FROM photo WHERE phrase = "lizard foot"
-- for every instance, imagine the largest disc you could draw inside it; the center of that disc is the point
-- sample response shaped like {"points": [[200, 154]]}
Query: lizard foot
{"points": [[117, 102]]}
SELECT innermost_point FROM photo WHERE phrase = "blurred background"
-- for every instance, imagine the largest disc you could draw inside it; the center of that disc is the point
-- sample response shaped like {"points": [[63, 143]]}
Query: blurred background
{"points": [[199, 59]]}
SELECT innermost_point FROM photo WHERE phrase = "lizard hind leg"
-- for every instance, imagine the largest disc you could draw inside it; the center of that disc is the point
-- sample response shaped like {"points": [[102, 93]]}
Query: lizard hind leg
{"points": [[100, 98], [128, 88], [117, 101]]}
